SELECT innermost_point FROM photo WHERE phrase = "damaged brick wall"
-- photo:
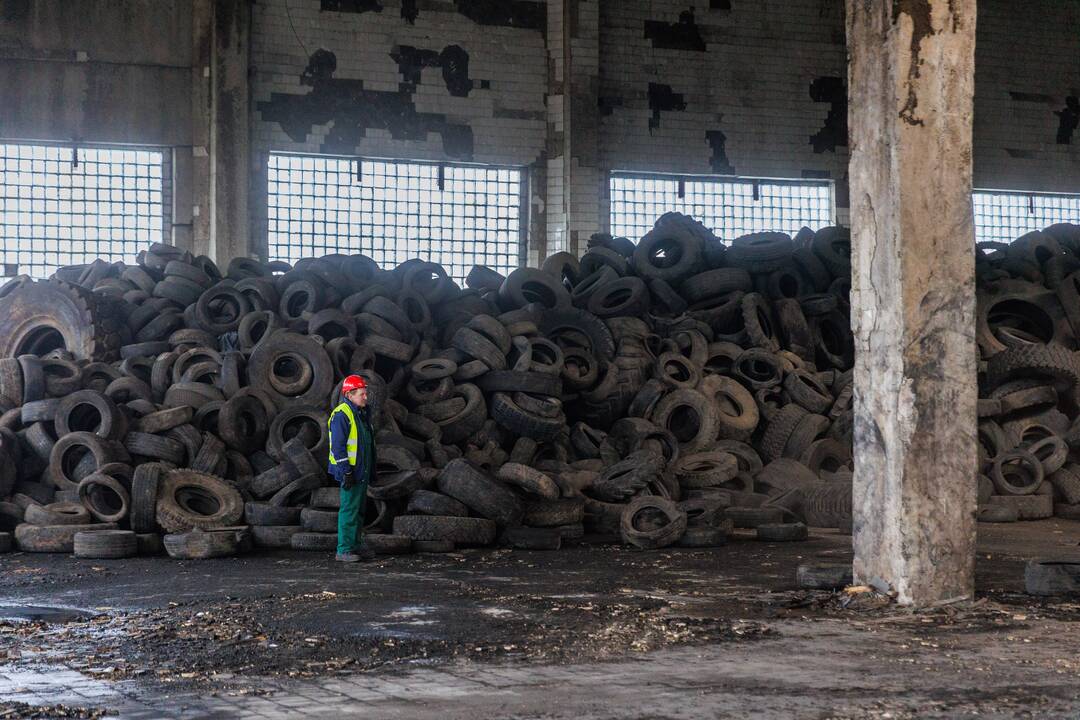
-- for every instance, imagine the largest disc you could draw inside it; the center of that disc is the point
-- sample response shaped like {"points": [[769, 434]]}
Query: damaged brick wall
{"points": [[1027, 81], [450, 80], [759, 89], [734, 87]]}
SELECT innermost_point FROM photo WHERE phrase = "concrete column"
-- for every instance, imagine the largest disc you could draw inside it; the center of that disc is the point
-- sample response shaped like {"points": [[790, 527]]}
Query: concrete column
{"points": [[573, 166], [913, 296], [202, 115], [230, 148]]}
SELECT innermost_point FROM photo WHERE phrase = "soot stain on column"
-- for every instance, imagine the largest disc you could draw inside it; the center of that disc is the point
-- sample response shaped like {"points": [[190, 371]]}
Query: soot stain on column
{"points": [[354, 110], [834, 134], [663, 99], [719, 161], [1069, 120], [350, 6], [919, 11], [681, 35], [453, 60], [409, 11], [524, 14]]}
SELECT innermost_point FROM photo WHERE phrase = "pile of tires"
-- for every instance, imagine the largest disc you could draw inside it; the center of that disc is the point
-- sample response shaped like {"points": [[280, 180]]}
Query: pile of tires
{"points": [[1027, 330], [655, 393]]}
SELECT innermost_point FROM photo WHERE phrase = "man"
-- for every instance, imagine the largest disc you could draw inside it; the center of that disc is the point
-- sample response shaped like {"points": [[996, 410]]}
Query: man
{"points": [[352, 462]]}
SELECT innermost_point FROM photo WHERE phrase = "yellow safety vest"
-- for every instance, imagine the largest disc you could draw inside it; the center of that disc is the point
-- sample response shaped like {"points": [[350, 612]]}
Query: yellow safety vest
{"points": [[353, 442]]}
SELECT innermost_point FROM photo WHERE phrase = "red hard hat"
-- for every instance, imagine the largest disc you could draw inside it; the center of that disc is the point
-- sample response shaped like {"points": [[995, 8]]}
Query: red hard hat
{"points": [[353, 382]]}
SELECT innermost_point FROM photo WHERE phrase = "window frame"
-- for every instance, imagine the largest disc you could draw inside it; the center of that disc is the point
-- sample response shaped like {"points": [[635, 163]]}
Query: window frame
{"points": [[682, 178], [1030, 196], [144, 236], [520, 236]]}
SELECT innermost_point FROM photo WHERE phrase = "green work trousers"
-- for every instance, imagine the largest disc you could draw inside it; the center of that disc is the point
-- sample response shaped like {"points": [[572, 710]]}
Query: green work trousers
{"points": [[350, 519]]}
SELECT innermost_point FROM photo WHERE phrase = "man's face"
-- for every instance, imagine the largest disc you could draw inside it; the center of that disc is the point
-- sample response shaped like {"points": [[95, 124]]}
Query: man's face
{"points": [[358, 397]]}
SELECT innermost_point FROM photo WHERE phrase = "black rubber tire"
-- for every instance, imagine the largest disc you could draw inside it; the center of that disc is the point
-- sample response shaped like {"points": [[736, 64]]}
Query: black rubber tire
{"points": [[39, 411], [1066, 482], [1002, 473], [426, 502], [528, 479], [89, 411], [805, 389], [626, 296], [691, 417], [584, 325], [302, 351], [243, 424], [323, 521], [57, 513], [101, 452], [200, 545], [53, 538], [779, 431], [176, 514], [105, 544], [163, 420], [211, 456], [325, 542], [297, 491], [477, 490], [459, 427], [682, 255], [36, 317], [546, 513], [737, 414], [652, 538], [507, 414], [276, 537], [459, 530], [528, 285], [144, 494], [761, 252], [156, 447], [714, 283]]}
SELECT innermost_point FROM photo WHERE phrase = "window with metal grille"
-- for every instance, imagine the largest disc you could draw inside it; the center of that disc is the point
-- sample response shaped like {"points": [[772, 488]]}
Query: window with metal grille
{"points": [[67, 206], [1004, 216], [729, 207], [454, 215]]}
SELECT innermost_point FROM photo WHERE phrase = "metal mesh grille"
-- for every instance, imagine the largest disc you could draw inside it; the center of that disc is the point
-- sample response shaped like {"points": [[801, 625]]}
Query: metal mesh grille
{"points": [[729, 208], [65, 206], [1004, 216], [455, 215]]}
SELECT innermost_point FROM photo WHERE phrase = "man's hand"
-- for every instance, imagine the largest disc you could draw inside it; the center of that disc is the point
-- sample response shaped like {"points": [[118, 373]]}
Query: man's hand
{"points": [[347, 480]]}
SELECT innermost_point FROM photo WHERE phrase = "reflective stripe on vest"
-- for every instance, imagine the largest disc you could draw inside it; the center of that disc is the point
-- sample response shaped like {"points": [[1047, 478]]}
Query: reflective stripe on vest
{"points": [[353, 442]]}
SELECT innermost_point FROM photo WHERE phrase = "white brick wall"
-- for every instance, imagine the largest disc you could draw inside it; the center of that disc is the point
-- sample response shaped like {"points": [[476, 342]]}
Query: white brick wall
{"points": [[507, 120], [752, 83]]}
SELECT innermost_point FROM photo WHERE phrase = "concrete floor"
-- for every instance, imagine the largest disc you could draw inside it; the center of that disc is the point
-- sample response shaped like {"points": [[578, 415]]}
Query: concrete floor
{"points": [[590, 632]]}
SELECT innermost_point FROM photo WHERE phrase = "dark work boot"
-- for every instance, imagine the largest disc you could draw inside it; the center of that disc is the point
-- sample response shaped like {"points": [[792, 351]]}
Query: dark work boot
{"points": [[364, 552]]}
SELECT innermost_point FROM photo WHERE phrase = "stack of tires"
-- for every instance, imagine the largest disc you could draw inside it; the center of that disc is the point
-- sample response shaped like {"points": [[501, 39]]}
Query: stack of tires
{"points": [[1027, 329], [656, 393]]}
